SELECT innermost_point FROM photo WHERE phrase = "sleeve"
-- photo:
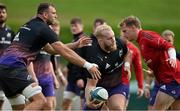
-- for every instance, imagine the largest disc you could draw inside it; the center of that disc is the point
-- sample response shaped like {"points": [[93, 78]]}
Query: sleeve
{"points": [[49, 35], [12, 35], [156, 41], [123, 45], [137, 63]]}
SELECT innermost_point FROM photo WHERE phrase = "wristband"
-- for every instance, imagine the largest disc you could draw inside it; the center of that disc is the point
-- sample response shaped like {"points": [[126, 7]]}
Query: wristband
{"points": [[172, 53], [88, 65], [127, 64]]}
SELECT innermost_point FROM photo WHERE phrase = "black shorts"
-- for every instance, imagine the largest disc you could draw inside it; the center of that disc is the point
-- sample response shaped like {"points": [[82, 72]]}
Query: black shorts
{"points": [[13, 80]]}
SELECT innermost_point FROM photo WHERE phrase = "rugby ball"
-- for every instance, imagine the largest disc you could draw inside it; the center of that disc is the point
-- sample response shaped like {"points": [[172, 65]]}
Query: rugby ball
{"points": [[99, 94]]}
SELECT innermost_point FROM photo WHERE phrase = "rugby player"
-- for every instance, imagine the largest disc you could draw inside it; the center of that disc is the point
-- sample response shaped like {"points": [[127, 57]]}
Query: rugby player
{"points": [[109, 53], [160, 57], [31, 37]]}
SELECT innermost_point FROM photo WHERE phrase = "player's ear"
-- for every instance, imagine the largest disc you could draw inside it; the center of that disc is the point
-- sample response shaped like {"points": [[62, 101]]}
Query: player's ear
{"points": [[45, 14]]}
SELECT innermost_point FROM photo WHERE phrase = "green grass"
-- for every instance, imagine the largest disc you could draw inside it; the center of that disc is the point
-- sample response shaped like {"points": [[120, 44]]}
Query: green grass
{"points": [[156, 15]]}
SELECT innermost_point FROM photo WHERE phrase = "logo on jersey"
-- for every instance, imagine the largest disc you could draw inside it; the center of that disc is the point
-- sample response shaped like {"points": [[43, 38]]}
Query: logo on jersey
{"points": [[116, 64], [124, 93], [120, 53], [107, 66], [173, 92], [100, 58], [8, 35], [29, 77], [4, 41], [163, 87]]}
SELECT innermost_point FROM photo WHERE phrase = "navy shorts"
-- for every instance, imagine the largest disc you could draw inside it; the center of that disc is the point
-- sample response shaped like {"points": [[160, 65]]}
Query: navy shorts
{"points": [[72, 87], [119, 89], [154, 92], [14, 80], [172, 89], [47, 84]]}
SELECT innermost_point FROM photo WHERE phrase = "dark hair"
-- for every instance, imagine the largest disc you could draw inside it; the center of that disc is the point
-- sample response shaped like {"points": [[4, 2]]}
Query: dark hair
{"points": [[75, 21], [43, 7], [131, 21], [2, 6], [99, 20]]}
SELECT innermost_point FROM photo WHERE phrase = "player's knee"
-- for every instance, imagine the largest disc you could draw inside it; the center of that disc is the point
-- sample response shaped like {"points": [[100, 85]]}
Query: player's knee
{"points": [[118, 107], [31, 90], [49, 105], [66, 104]]}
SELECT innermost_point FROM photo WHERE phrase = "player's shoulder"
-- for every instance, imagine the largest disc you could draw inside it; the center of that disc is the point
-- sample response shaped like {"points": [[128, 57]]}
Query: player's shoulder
{"points": [[149, 34], [120, 43]]}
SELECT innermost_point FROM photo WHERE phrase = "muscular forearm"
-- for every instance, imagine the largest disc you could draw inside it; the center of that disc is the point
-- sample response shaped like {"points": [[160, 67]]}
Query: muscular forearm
{"points": [[91, 84], [73, 45], [68, 54]]}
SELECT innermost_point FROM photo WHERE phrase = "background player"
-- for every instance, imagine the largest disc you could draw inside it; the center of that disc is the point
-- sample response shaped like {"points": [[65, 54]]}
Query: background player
{"points": [[160, 56], [76, 78]]}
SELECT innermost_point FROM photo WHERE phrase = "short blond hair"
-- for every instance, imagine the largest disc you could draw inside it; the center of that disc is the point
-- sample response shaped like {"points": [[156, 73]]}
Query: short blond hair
{"points": [[100, 29], [167, 32]]}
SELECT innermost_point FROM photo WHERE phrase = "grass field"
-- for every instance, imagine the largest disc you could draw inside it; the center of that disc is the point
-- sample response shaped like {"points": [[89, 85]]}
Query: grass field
{"points": [[155, 15]]}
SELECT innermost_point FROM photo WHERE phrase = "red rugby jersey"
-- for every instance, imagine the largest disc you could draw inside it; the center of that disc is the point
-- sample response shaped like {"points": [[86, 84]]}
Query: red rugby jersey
{"points": [[154, 51], [137, 64]]}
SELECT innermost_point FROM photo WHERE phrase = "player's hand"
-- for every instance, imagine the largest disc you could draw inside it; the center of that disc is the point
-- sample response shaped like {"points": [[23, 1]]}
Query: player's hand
{"points": [[128, 71], [63, 80], [147, 91], [149, 72], [83, 41], [93, 70], [93, 103], [80, 83], [140, 93], [172, 62], [56, 83], [95, 73]]}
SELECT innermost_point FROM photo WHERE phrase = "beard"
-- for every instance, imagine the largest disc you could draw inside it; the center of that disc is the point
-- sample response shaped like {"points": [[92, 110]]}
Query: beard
{"points": [[2, 21], [50, 22], [111, 48]]}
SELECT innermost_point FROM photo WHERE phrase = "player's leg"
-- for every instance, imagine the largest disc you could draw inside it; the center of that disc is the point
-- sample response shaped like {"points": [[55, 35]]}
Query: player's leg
{"points": [[2, 97], [15, 81], [71, 92], [117, 102], [47, 84], [118, 97], [176, 105], [153, 96], [166, 95], [67, 100], [35, 96], [163, 101], [17, 102]]}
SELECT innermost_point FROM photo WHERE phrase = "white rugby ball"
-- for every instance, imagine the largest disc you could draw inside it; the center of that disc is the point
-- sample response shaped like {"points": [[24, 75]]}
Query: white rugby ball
{"points": [[99, 94]]}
